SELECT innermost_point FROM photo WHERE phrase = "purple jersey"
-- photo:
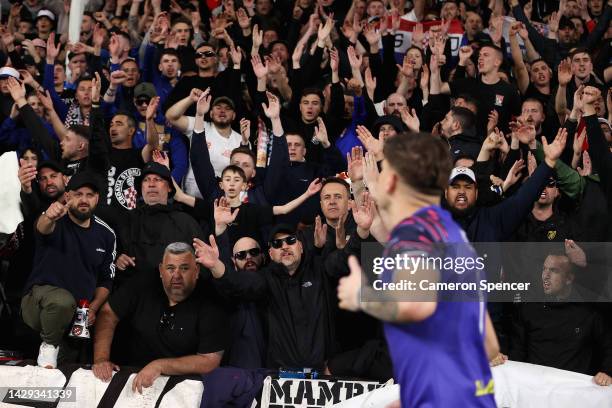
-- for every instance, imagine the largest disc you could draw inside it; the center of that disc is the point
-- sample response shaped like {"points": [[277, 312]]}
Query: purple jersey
{"points": [[441, 361]]}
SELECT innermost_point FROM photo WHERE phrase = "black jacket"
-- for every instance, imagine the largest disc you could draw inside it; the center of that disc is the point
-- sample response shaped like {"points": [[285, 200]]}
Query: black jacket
{"points": [[299, 308], [144, 234], [569, 336]]}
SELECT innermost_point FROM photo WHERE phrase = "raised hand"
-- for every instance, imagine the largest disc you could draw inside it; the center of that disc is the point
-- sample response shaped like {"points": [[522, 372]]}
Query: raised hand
{"points": [[575, 254], [465, 53], [320, 133], [195, 94], [272, 110], [370, 174], [410, 119], [162, 158], [257, 37], [56, 211], [245, 130], [203, 105], [16, 89], [236, 54], [355, 60], [372, 145], [418, 35], [117, 77], [514, 175], [152, 108], [590, 95], [325, 29], [363, 214], [493, 119], [587, 166], [52, 49], [354, 158], [334, 60], [320, 233], [553, 150], [564, 72], [371, 34], [223, 212], [259, 68], [96, 86], [45, 99], [26, 173], [314, 187], [349, 287]]}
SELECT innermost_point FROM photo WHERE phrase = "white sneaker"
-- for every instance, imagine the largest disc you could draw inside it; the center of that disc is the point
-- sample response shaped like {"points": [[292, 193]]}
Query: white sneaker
{"points": [[47, 355]]}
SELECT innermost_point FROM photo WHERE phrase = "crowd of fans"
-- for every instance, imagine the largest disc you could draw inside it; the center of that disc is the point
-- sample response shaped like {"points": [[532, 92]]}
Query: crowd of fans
{"points": [[198, 172]]}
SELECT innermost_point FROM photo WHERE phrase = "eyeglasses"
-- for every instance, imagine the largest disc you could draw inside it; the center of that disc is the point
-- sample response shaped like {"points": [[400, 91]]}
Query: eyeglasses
{"points": [[253, 252], [205, 54], [142, 101], [278, 243], [166, 321]]}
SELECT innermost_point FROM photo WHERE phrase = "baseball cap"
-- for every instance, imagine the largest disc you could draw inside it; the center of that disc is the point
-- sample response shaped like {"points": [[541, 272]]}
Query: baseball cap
{"points": [[462, 172], [6, 72], [84, 179], [45, 13], [224, 99], [50, 164], [387, 120], [145, 89], [281, 228], [159, 170]]}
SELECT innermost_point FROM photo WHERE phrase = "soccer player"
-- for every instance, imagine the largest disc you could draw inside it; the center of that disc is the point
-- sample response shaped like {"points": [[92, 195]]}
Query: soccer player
{"points": [[440, 348]]}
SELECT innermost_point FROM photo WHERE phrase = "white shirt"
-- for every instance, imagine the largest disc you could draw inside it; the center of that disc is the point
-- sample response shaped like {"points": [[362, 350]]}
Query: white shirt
{"points": [[219, 149]]}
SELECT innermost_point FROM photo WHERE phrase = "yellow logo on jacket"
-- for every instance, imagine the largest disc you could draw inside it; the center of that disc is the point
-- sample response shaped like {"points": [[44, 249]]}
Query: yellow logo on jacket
{"points": [[481, 390], [551, 235]]}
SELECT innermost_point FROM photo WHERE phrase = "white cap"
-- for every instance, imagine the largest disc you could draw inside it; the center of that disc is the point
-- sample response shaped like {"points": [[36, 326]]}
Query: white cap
{"points": [[8, 71], [46, 13], [462, 171]]}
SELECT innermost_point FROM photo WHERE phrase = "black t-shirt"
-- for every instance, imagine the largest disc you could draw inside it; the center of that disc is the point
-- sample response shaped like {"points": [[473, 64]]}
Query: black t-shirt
{"points": [[249, 222], [125, 166], [193, 326], [500, 96]]}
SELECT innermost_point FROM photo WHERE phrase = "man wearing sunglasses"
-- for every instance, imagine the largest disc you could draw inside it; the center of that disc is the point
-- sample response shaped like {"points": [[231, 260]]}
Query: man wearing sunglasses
{"points": [[248, 344], [293, 291], [223, 83]]}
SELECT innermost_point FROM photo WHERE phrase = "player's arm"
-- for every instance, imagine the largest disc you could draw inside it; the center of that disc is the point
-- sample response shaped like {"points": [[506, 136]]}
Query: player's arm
{"points": [[401, 306], [491, 343]]}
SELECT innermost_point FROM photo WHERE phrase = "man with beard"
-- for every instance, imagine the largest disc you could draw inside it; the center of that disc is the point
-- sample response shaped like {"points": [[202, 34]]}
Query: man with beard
{"points": [[73, 262], [247, 346], [497, 223], [221, 139]]}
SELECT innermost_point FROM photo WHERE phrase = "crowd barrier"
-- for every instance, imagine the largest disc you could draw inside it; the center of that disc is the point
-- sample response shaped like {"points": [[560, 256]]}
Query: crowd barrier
{"points": [[517, 385]]}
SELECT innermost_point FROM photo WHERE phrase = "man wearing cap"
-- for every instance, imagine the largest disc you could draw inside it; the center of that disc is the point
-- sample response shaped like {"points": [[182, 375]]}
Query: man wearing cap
{"points": [[6, 102], [225, 83], [169, 139], [52, 180], [294, 288], [74, 261], [148, 228], [45, 22], [220, 137]]}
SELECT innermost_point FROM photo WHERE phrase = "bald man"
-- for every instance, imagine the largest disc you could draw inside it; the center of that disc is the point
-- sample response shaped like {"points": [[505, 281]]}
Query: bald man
{"points": [[247, 255], [248, 344]]}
